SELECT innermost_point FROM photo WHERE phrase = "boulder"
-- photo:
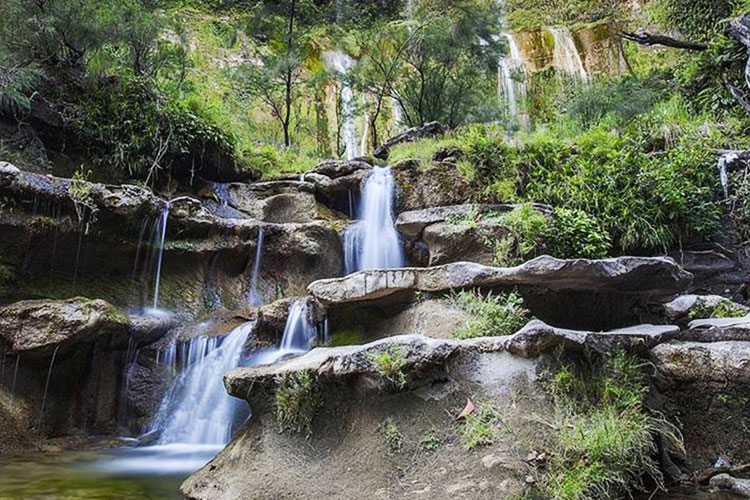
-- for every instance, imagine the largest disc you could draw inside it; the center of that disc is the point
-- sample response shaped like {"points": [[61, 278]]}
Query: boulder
{"points": [[649, 276], [690, 305], [274, 201], [734, 485], [270, 319], [537, 338], [40, 327], [410, 431], [707, 363], [431, 129], [460, 232]]}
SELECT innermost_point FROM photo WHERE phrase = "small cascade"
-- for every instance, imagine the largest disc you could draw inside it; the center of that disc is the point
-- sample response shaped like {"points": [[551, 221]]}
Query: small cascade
{"points": [[512, 77], [15, 375], [160, 234], [299, 332], [723, 168], [565, 56], [373, 241], [342, 63], [46, 384], [254, 298], [196, 409]]}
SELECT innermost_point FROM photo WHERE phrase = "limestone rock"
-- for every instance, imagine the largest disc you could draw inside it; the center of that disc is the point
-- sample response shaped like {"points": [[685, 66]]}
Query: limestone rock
{"points": [[652, 276], [38, 327], [274, 201], [537, 338], [683, 305], [705, 363], [725, 482]]}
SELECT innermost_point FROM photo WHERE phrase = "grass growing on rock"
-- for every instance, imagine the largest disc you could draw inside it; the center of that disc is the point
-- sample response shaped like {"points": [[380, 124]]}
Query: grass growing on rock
{"points": [[297, 402], [601, 438], [481, 427], [389, 364], [724, 309], [489, 315]]}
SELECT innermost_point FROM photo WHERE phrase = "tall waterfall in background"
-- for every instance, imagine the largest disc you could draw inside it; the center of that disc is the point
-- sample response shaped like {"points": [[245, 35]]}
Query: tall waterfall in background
{"points": [[160, 234], [342, 64], [512, 76], [196, 409], [373, 241], [566, 56]]}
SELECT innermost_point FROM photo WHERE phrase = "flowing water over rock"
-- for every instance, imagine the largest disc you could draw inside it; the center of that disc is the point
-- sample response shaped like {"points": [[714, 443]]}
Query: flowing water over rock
{"points": [[566, 56], [511, 77], [299, 335], [254, 297], [160, 234], [373, 242]]}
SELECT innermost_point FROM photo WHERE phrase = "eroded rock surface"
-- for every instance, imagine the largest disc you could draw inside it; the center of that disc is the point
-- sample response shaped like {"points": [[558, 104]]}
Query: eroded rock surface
{"points": [[655, 276], [38, 327]]}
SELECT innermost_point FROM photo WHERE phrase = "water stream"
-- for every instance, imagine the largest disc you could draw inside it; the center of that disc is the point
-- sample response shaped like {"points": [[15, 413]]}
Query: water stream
{"points": [[342, 63], [565, 55], [160, 234], [373, 241], [254, 297]]}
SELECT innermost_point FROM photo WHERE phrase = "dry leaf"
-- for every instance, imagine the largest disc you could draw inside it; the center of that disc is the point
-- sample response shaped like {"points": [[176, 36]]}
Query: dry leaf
{"points": [[468, 409]]}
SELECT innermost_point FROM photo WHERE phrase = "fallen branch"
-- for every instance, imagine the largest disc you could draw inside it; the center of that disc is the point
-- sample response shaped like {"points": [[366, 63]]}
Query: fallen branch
{"points": [[648, 39]]}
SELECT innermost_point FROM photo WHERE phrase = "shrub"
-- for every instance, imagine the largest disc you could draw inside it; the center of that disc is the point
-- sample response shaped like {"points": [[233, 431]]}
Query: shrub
{"points": [[724, 309], [489, 315], [575, 234], [393, 437], [297, 401]]}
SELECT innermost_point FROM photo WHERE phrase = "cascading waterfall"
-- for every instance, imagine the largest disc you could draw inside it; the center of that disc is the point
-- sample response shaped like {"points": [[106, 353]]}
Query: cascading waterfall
{"points": [[342, 63], [298, 338], [511, 76], [160, 234], [565, 55], [254, 297], [373, 241], [196, 409]]}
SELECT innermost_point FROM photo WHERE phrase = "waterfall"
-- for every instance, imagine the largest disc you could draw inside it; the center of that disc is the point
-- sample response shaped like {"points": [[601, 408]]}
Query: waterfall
{"points": [[510, 67], [254, 298], [196, 409], [160, 233], [299, 332], [565, 56], [373, 241], [342, 63], [723, 167], [46, 384]]}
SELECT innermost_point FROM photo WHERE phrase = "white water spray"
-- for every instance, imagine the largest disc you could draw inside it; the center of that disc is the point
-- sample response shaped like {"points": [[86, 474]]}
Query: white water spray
{"points": [[373, 242]]}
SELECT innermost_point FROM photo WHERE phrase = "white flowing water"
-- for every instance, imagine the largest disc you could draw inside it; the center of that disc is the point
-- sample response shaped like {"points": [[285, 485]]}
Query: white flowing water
{"points": [[722, 166], [299, 336], [254, 297], [196, 409], [373, 241], [342, 63], [160, 233], [512, 76], [565, 56]]}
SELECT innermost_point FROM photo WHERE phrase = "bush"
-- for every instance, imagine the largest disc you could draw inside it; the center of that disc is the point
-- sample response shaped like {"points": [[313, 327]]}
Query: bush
{"points": [[389, 365], [489, 315], [575, 234]]}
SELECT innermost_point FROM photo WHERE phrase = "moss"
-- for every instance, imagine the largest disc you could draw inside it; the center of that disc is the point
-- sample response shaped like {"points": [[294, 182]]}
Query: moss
{"points": [[389, 364], [346, 337], [114, 315], [297, 402], [490, 315]]}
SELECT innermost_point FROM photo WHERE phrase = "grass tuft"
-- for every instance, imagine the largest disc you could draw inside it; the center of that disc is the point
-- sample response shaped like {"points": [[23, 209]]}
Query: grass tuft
{"points": [[389, 364], [490, 315], [297, 401]]}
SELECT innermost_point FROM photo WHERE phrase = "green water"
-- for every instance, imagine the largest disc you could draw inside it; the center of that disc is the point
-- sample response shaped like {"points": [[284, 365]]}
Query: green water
{"points": [[75, 476]]}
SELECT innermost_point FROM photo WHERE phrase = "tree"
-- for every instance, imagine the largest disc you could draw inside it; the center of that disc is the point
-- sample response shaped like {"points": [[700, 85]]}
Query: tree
{"points": [[286, 27]]}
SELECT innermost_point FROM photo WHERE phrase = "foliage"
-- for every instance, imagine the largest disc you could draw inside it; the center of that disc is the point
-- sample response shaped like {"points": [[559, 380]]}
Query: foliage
{"points": [[575, 234], [602, 437], [481, 427], [527, 228], [389, 363], [430, 442], [490, 315], [297, 402], [80, 192]]}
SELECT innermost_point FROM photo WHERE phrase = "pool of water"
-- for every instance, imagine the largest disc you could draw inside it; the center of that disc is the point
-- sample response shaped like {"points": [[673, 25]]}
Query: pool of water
{"points": [[148, 473]]}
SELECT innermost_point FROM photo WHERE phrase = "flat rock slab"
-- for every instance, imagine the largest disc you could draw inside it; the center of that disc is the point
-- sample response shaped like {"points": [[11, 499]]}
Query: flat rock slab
{"points": [[651, 276], [39, 327], [418, 353], [684, 305], [537, 337], [704, 362], [718, 329]]}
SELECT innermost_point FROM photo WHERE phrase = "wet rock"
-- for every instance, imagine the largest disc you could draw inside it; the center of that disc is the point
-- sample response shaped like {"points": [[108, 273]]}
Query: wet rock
{"points": [[270, 319], [537, 338], [39, 327], [439, 184], [725, 482], [431, 129], [274, 201], [651, 276], [334, 169]]}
